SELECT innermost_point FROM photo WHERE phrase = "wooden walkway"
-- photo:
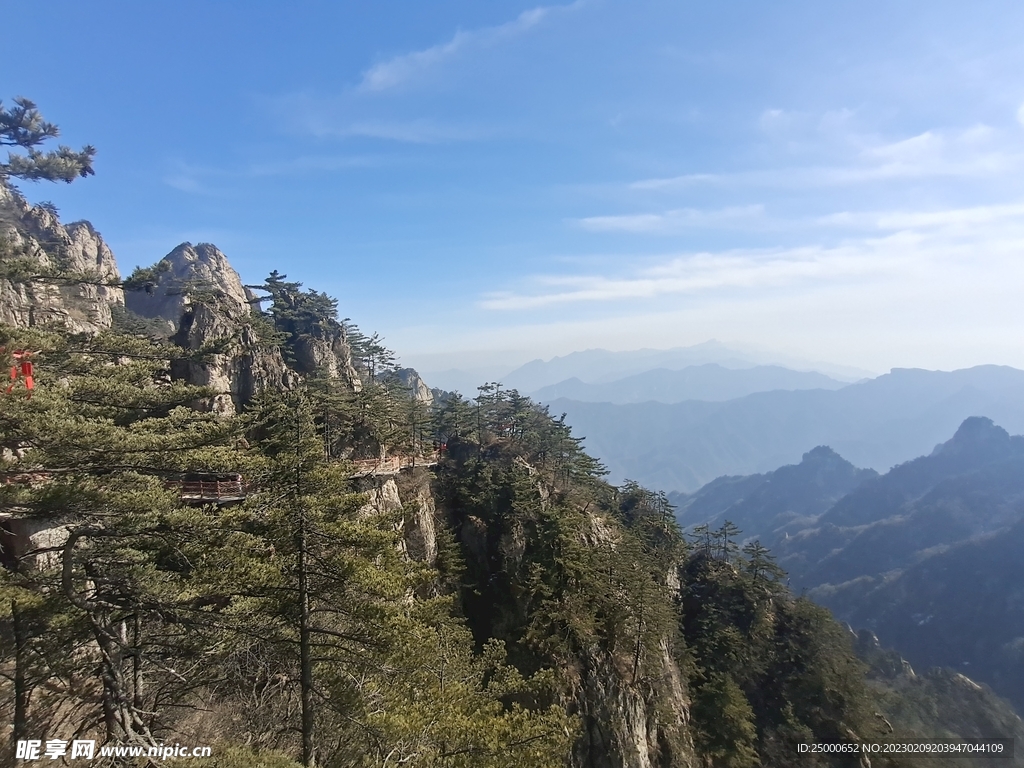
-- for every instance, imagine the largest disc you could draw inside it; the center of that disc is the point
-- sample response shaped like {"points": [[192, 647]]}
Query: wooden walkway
{"points": [[391, 465]]}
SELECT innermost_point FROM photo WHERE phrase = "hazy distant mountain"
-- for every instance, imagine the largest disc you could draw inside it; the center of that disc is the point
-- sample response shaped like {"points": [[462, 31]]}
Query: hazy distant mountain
{"points": [[711, 382], [961, 608], [876, 423], [926, 556], [596, 366], [762, 504]]}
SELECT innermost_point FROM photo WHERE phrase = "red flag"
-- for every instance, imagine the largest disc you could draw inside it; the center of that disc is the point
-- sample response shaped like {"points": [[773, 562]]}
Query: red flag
{"points": [[22, 368]]}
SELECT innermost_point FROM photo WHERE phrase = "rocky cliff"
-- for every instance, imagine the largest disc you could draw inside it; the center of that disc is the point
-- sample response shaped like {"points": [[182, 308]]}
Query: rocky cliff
{"points": [[67, 274], [184, 273], [202, 300], [418, 389], [33, 239], [528, 549]]}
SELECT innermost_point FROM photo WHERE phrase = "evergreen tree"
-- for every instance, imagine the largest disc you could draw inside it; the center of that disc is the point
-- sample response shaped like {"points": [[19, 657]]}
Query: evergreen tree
{"points": [[23, 127], [87, 458]]}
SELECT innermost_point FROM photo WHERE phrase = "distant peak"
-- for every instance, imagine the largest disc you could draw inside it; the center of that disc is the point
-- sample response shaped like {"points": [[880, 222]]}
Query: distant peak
{"points": [[978, 430], [206, 252], [821, 453]]}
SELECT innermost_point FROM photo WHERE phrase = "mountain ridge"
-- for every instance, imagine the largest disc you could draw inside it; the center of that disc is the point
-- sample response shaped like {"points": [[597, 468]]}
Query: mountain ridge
{"points": [[924, 556], [875, 424], [710, 382]]}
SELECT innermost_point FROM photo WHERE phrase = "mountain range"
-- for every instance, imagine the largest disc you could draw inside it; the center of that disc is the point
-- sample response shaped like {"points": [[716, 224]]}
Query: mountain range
{"points": [[572, 624], [711, 382], [876, 423], [602, 366], [926, 556]]}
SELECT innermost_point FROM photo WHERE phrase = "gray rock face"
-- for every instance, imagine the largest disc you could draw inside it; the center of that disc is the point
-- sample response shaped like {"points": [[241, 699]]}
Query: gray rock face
{"points": [[329, 353], [197, 294], [201, 269], [408, 377], [35, 233], [202, 299], [246, 369]]}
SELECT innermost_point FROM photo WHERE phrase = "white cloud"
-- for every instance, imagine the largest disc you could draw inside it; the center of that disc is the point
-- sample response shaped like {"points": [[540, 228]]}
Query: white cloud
{"points": [[399, 70], [418, 131], [932, 245], [1020, 114], [672, 221], [310, 164], [774, 120], [351, 112], [675, 182], [694, 274], [948, 219], [975, 152], [189, 178], [332, 117]]}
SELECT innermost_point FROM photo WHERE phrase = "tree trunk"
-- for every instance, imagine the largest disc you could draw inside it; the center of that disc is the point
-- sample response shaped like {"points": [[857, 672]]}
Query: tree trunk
{"points": [[21, 687], [305, 656], [305, 651]]}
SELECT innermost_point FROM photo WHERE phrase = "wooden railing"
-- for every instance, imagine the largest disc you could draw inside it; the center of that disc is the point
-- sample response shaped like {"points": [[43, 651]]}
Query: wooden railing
{"points": [[237, 489], [392, 464], [209, 490]]}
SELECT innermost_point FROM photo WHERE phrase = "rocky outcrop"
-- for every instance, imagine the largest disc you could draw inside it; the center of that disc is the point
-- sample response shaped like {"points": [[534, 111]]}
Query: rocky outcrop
{"points": [[406, 493], [35, 234], [326, 351], [630, 716], [418, 389], [203, 301], [185, 273], [246, 367], [625, 726]]}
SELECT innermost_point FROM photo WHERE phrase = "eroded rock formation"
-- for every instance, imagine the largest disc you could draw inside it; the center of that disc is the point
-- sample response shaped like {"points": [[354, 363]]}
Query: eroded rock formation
{"points": [[34, 235]]}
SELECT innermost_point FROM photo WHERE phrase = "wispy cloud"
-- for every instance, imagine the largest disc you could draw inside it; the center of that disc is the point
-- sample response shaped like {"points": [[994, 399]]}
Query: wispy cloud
{"points": [[695, 273], [206, 180], [343, 117], [189, 178], [672, 221], [419, 131], [974, 152], [401, 69], [362, 111], [911, 244], [309, 164], [950, 219]]}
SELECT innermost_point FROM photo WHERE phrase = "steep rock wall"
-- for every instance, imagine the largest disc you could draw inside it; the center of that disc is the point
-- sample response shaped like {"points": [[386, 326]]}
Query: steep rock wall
{"points": [[246, 368], [36, 234], [201, 298], [628, 721], [407, 492]]}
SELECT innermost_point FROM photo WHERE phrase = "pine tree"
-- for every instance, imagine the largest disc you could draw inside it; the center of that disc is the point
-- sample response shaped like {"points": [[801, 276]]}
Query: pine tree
{"points": [[87, 457], [23, 127]]}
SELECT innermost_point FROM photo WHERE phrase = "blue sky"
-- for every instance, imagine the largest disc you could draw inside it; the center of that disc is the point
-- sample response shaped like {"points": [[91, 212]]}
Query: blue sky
{"points": [[494, 182]]}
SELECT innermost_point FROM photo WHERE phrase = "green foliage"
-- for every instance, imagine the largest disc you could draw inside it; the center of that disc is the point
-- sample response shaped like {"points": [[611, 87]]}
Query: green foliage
{"points": [[569, 573], [22, 126], [153, 607], [294, 620], [767, 671], [86, 458]]}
